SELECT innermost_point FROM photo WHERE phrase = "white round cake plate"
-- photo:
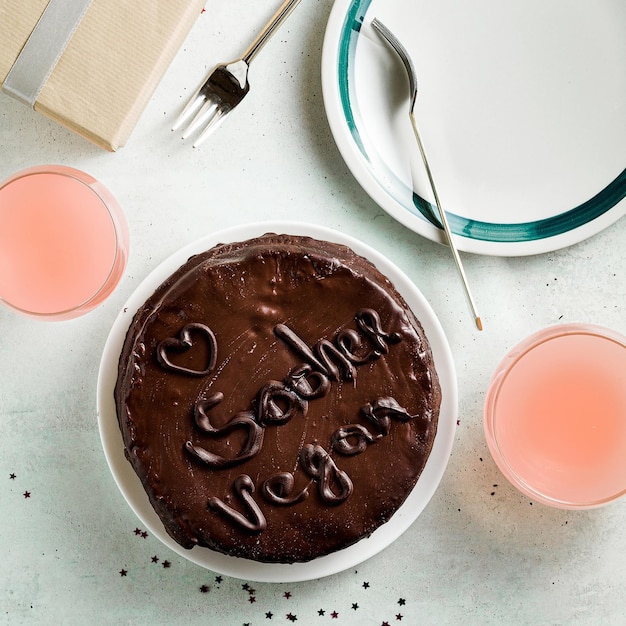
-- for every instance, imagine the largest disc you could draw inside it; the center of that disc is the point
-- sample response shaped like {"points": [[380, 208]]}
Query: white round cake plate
{"points": [[132, 489], [521, 107]]}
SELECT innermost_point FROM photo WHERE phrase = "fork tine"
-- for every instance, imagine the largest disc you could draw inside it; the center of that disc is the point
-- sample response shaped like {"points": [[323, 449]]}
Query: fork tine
{"points": [[203, 116], [194, 103], [210, 127]]}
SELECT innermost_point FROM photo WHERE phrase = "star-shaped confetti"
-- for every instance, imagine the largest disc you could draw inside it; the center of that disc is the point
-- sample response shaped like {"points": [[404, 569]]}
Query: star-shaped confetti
{"points": [[287, 594], [155, 559], [291, 617], [401, 601], [399, 617], [321, 612], [204, 589], [166, 564], [218, 579], [12, 476], [26, 494], [334, 615], [137, 531], [123, 572], [269, 615], [366, 585], [355, 606]]}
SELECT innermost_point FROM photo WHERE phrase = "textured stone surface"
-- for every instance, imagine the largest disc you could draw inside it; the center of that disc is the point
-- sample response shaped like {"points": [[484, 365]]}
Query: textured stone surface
{"points": [[481, 553]]}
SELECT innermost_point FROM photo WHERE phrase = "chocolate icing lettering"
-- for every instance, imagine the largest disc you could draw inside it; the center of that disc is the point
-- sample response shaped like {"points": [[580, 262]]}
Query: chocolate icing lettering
{"points": [[381, 412], [318, 464], [244, 488], [349, 342], [330, 359], [369, 322], [284, 332], [299, 379], [278, 488], [244, 420], [352, 439], [278, 404], [183, 343], [329, 354]]}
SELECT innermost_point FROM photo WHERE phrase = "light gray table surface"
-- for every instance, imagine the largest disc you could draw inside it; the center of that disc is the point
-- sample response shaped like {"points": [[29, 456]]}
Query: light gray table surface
{"points": [[480, 553]]}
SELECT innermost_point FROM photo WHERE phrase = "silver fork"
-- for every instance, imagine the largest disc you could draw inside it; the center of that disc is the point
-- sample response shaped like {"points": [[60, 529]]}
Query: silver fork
{"points": [[400, 50], [227, 85]]}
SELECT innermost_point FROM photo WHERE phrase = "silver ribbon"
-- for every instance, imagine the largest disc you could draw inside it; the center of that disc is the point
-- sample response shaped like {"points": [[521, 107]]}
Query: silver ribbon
{"points": [[43, 49]]}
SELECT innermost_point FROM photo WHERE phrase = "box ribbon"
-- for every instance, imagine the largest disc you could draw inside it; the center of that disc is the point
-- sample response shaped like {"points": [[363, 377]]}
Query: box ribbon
{"points": [[43, 49]]}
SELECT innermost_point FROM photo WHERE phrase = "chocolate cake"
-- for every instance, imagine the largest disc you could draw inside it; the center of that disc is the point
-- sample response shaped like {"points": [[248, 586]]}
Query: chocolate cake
{"points": [[277, 398]]}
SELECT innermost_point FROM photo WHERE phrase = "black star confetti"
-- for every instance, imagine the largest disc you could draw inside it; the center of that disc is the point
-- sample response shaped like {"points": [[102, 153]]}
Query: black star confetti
{"points": [[12, 476], [166, 564], [26, 494], [155, 559], [249, 593], [123, 572], [137, 531]]}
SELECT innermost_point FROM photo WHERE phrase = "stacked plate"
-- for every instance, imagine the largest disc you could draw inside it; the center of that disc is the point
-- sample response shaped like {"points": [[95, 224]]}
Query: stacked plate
{"points": [[521, 106]]}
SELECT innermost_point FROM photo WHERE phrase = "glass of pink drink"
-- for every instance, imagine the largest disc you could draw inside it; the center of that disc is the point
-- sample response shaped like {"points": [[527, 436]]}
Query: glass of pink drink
{"points": [[63, 242], [555, 416]]}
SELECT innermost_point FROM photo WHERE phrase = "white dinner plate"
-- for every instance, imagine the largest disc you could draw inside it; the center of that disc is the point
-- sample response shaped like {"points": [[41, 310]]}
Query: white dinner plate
{"points": [[521, 107], [130, 485]]}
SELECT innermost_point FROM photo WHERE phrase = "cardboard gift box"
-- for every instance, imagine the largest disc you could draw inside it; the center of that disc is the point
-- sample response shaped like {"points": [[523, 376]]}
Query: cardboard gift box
{"points": [[91, 65]]}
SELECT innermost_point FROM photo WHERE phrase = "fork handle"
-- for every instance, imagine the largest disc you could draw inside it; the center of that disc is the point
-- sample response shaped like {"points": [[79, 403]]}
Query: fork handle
{"points": [[270, 28]]}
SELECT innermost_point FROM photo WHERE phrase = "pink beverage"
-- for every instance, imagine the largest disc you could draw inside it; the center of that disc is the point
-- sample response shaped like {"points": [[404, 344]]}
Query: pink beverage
{"points": [[63, 242], [555, 416]]}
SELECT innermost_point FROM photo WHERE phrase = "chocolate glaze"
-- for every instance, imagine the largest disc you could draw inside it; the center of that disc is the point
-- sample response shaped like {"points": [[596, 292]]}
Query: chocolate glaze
{"points": [[277, 398]]}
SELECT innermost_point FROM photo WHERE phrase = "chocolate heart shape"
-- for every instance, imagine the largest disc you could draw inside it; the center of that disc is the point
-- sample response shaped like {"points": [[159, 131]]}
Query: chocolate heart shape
{"points": [[183, 343]]}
